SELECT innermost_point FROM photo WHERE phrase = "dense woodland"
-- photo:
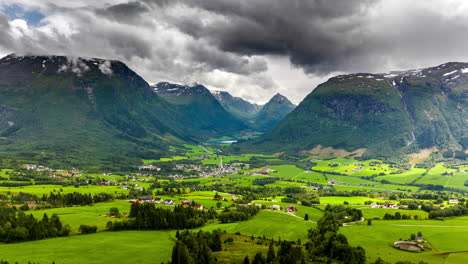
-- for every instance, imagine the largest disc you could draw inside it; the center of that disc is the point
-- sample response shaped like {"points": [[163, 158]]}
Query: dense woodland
{"points": [[16, 226]]}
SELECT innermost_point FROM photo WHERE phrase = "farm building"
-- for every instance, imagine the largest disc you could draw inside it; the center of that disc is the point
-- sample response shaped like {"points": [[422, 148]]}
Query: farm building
{"points": [[169, 202], [453, 201], [186, 202], [145, 199], [274, 207], [291, 209]]}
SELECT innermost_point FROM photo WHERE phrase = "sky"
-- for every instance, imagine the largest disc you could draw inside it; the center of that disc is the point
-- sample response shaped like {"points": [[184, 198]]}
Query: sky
{"points": [[250, 48]]}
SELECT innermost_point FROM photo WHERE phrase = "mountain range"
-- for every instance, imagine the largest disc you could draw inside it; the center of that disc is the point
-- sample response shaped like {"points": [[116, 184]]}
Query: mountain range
{"points": [[237, 106], [205, 111], [81, 111], [378, 115], [88, 111]]}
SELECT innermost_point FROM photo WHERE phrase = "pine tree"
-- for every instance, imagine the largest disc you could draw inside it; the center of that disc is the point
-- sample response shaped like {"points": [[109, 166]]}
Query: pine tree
{"points": [[271, 253]]}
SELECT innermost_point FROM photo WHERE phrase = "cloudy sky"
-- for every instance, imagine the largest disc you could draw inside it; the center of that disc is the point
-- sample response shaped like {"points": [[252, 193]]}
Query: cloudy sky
{"points": [[251, 48]]}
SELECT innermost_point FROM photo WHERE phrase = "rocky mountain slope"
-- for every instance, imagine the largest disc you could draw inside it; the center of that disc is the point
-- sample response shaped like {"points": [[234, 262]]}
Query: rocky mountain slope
{"points": [[272, 112], [237, 106], [205, 111], [385, 114]]}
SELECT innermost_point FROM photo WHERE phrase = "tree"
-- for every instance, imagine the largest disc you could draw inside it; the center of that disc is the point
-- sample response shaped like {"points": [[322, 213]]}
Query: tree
{"points": [[328, 223], [413, 236], [114, 211], [246, 260], [419, 234], [271, 253], [180, 254], [218, 205], [306, 217], [259, 259], [369, 222]]}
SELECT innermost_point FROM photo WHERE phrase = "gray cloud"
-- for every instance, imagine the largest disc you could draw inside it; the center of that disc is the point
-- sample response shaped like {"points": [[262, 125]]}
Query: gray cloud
{"points": [[250, 48]]}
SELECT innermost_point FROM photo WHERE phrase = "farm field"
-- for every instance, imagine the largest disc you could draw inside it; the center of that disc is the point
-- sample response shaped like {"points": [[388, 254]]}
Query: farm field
{"points": [[444, 236], [39, 190], [103, 247], [88, 215], [271, 224]]}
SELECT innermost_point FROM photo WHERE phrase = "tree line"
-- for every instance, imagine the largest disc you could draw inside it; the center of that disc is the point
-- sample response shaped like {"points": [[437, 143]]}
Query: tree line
{"points": [[146, 216], [16, 226]]}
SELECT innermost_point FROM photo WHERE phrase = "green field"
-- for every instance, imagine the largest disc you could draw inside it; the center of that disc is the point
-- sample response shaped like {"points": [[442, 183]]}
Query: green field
{"points": [[444, 236], [39, 190], [104, 247], [272, 224], [88, 215]]}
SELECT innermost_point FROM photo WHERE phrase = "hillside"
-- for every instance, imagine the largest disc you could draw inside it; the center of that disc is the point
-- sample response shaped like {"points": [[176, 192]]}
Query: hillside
{"points": [[205, 112], [78, 111], [384, 114], [272, 112], [237, 106]]}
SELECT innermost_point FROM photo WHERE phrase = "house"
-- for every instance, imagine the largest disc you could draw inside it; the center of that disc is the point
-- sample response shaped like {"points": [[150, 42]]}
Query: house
{"points": [[149, 167], [124, 187], [274, 207], [157, 200], [291, 209], [186, 202], [138, 188], [133, 201], [234, 200], [419, 239], [145, 199], [332, 182], [169, 202], [327, 188], [258, 205], [453, 201], [374, 205], [199, 206]]}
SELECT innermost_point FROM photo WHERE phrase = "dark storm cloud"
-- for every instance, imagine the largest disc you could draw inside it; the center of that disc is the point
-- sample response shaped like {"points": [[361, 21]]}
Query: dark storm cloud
{"points": [[250, 47], [316, 35], [129, 12]]}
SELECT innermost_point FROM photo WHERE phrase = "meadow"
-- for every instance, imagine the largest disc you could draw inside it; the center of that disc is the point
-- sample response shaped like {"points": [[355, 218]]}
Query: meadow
{"points": [[103, 247], [444, 237]]}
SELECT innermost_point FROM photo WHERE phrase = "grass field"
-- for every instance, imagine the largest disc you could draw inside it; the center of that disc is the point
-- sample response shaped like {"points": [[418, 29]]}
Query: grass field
{"points": [[444, 236], [351, 200], [104, 247], [271, 224], [39, 190], [403, 178], [370, 213], [89, 215]]}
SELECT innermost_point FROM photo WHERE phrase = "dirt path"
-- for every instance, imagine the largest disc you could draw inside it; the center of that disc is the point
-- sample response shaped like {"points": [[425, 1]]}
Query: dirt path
{"points": [[353, 223], [281, 212]]}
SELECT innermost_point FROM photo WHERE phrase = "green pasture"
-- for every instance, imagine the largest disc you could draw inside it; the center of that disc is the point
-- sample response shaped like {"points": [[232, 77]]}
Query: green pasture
{"points": [[103, 247], [272, 224], [39, 190], [88, 215], [444, 236]]}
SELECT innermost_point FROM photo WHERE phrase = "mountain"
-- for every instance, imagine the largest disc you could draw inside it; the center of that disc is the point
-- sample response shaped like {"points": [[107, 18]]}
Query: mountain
{"points": [[273, 112], [237, 106], [379, 115], [91, 112], [205, 111]]}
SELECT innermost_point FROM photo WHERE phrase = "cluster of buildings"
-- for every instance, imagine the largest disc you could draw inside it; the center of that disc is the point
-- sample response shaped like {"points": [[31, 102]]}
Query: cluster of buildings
{"points": [[288, 209], [149, 167]]}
